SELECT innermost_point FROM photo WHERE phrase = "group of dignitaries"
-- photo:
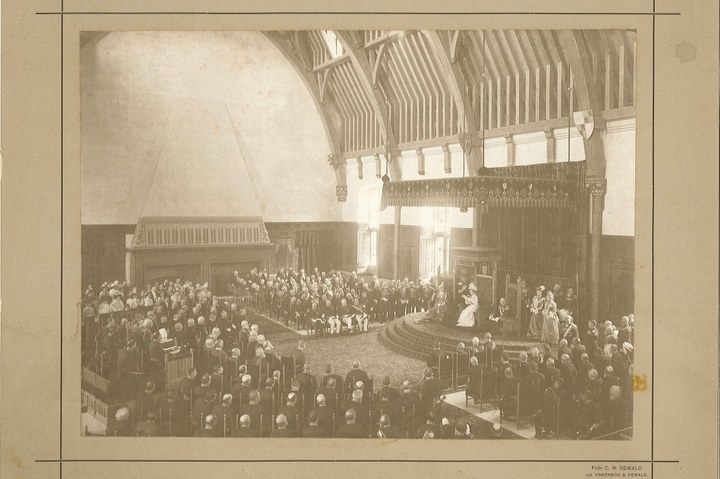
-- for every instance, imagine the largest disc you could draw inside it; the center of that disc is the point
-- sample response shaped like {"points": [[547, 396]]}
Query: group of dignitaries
{"points": [[329, 303], [126, 328]]}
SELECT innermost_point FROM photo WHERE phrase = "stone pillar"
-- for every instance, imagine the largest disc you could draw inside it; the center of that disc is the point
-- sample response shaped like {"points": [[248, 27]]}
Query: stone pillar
{"points": [[597, 197], [396, 243], [447, 159], [550, 145], [510, 150], [421, 161], [477, 226]]}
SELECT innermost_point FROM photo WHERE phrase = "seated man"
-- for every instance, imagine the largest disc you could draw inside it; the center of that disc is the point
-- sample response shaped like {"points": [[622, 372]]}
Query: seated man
{"points": [[330, 393], [343, 317], [360, 317], [386, 430], [281, 427], [253, 410], [350, 429], [429, 430], [501, 313], [312, 429], [325, 416], [390, 408], [291, 412], [209, 429], [203, 407], [393, 394], [245, 429], [317, 318], [225, 413], [149, 427], [331, 317], [356, 404]]}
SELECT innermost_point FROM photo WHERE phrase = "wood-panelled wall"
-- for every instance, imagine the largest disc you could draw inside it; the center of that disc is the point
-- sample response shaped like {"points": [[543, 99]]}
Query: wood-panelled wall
{"points": [[103, 248], [617, 276], [103, 255]]}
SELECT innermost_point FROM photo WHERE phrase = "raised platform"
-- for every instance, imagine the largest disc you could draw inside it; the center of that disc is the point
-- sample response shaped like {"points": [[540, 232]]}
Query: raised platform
{"points": [[407, 337]]}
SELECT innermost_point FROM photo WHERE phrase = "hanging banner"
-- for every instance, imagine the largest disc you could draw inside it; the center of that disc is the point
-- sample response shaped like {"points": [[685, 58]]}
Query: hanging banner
{"points": [[585, 123]]}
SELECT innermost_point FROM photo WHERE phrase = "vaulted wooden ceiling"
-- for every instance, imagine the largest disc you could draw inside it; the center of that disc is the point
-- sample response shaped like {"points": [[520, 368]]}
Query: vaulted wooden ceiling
{"points": [[409, 89]]}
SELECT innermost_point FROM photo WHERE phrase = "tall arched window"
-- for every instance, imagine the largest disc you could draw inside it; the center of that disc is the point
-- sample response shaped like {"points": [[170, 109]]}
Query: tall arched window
{"points": [[434, 242], [368, 226]]}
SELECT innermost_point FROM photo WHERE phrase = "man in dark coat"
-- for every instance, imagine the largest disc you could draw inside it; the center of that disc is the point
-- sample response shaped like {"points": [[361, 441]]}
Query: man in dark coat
{"points": [[431, 390], [350, 429], [209, 429], [312, 429], [253, 411], [354, 375], [329, 374], [291, 413], [392, 393], [245, 429], [325, 416], [386, 429], [267, 402], [411, 403]]}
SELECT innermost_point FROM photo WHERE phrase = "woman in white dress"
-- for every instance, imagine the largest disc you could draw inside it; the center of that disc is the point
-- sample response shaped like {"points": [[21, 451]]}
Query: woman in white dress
{"points": [[467, 317]]}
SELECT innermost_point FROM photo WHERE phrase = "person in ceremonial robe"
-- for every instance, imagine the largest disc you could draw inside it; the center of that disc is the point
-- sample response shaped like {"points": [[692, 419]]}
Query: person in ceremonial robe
{"points": [[467, 317], [536, 310], [550, 333], [439, 309], [500, 313]]}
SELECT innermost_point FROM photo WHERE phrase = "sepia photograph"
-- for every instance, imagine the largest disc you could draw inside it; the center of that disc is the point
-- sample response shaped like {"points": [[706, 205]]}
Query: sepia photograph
{"points": [[379, 234]]}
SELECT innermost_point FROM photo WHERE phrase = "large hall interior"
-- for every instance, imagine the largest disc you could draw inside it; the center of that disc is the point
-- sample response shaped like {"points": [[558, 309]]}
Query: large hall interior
{"points": [[372, 234]]}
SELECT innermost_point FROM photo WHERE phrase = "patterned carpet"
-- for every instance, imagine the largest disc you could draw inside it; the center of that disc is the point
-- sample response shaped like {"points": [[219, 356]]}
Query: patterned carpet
{"points": [[341, 351], [374, 357]]}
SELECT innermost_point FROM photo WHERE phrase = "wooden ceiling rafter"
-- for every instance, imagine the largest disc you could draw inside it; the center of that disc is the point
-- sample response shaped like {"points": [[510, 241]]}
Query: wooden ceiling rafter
{"points": [[361, 65], [456, 84]]}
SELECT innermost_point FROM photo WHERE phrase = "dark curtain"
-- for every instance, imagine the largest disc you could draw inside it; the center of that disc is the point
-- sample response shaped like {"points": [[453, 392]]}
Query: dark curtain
{"points": [[544, 241], [307, 243]]}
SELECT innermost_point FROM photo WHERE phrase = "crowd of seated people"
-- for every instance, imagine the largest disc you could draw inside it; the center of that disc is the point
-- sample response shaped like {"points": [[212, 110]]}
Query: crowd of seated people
{"points": [[326, 405], [583, 389], [240, 386], [330, 302]]}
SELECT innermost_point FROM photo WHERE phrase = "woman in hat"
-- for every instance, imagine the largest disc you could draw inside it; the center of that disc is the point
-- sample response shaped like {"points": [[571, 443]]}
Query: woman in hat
{"points": [[536, 311], [467, 317]]}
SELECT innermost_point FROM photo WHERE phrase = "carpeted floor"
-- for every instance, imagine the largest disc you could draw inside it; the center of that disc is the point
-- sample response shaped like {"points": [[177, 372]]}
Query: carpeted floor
{"points": [[341, 351], [374, 357]]}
